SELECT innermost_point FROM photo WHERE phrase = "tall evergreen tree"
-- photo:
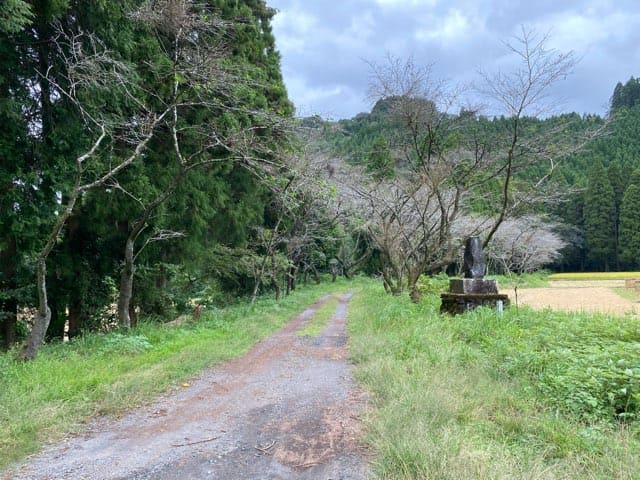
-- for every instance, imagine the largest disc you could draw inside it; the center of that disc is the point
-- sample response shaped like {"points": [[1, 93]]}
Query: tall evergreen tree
{"points": [[380, 163], [14, 15], [630, 223], [599, 218], [618, 183], [627, 95]]}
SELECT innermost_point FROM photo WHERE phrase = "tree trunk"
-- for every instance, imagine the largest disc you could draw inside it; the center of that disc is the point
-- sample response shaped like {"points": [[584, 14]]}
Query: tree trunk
{"points": [[316, 275], [9, 322], [256, 288], [274, 278], [75, 317], [287, 283], [58, 319], [393, 281], [8, 306], [126, 285], [133, 316], [294, 277], [292, 273], [412, 285], [43, 315]]}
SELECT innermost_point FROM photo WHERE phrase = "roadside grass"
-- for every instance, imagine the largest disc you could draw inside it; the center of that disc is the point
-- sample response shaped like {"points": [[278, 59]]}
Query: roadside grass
{"points": [[44, 400], [316, 325], [530, 395], [526, 280], [594, 276]]}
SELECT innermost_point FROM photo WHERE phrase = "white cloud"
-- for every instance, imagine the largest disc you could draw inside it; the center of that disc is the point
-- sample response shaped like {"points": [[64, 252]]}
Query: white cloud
{"points": [[322, 45], [406, 3], [359, 33], [454, 26], [293, 27]]}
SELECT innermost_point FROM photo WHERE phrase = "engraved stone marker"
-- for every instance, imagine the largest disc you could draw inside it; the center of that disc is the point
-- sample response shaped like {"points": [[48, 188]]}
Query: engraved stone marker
{"points": [[473, 290], [473, 258]]}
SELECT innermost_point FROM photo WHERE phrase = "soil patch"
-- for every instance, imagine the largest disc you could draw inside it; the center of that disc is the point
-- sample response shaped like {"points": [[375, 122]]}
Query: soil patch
{"points": [[287, 409], [578, 296]]}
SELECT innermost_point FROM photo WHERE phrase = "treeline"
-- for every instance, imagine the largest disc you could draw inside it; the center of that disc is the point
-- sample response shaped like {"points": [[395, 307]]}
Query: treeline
{"points": [[606, 179], [146, 159], [596, 213]]}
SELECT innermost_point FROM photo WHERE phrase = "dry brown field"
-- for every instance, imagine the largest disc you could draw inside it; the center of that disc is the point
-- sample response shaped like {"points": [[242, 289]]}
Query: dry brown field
{"points": [[602, 296]]}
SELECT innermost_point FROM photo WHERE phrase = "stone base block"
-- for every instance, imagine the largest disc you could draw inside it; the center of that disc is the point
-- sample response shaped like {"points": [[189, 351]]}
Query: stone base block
{"points": [[473, 286], [632, 283], [458, 303]]}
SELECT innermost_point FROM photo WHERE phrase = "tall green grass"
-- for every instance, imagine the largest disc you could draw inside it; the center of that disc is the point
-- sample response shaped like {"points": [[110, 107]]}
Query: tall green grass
{"points": [[68, 383], [526, 280], [529, 395]]}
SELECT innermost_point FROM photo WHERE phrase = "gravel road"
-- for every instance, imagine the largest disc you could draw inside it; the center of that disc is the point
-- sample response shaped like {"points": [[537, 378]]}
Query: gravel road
{"points": [[288, 409]]}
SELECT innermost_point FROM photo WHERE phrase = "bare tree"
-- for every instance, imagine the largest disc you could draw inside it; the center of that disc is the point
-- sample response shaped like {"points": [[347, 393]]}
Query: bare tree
{"points": [[451, 161], [305, 212], [88, 67], [525, 92], [524, 244], [404, 222]]}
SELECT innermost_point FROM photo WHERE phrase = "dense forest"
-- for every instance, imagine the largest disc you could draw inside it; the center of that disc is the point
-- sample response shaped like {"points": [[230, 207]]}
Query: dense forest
{"points": [[150, 162]]}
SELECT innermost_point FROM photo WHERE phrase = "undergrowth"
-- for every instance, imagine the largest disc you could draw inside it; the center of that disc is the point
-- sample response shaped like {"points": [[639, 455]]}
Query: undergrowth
{"points": [[535, 395]]}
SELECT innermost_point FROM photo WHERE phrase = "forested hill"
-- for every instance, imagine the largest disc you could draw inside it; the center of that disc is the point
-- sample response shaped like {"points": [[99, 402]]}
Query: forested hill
{"points": [[596, 219]]}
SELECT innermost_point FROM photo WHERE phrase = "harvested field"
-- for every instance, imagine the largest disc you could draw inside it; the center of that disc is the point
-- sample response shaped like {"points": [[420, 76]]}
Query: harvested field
{"points": [[578, 296]]}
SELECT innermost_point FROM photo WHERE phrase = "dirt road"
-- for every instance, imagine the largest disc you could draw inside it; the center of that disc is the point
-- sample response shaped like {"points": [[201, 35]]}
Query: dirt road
{"points": [[578, 296], [288, 409]]}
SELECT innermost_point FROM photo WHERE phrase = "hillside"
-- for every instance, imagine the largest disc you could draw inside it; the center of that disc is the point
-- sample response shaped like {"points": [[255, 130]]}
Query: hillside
{"points": [[373, 141]]}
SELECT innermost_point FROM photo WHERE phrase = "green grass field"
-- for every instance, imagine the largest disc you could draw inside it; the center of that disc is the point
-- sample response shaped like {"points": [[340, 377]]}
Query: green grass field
{"points": [[529, 395]]}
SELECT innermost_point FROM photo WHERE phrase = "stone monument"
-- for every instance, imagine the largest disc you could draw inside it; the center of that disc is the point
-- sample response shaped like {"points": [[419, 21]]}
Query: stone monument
{"points": [[473, 290]]}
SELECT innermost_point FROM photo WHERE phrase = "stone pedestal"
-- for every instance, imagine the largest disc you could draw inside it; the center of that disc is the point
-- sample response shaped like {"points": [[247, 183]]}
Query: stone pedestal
{"points": [[458, 303], [473, 285], [472, 291], [632, 283]]}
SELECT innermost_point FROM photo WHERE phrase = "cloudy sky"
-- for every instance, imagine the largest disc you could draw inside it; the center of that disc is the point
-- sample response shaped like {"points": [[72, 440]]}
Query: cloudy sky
{"points": [[325, 45]]}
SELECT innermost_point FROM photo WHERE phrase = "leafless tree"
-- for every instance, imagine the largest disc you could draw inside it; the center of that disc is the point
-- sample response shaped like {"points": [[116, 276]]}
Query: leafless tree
{"points": [[403, 221], [450, 161], [305, 213], [526, 92], [87, 69], [524, 244]]}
